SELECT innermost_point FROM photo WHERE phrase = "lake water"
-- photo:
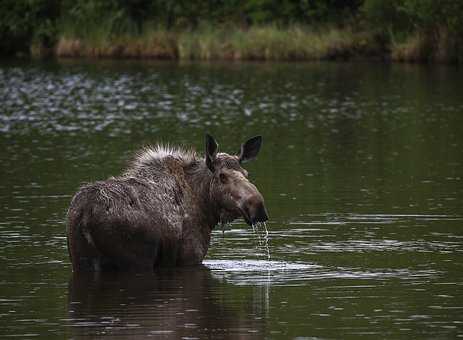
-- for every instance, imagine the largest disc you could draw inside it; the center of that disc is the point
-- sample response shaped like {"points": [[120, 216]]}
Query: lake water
{"points": [[361, 169]]}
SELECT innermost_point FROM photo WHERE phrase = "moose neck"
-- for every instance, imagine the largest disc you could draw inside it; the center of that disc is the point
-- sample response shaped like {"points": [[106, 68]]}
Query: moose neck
{"points": [[199, 178]]}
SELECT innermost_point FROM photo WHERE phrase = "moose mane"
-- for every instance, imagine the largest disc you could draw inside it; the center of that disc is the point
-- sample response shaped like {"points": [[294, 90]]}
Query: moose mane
{"points": [[151, 163], [153, 158]]}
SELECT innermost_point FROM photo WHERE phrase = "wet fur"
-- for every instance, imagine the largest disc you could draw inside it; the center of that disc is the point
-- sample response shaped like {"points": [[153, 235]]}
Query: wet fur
{"points": [[158, 213]]}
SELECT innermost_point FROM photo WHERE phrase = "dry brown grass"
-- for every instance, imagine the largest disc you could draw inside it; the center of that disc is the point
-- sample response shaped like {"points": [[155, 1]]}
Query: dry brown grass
{"points": [[158, 45]]}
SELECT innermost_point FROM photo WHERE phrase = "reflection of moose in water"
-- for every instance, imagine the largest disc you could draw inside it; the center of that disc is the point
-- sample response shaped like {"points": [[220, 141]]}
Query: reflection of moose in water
{"points": [[172, 304], [162, 210]]}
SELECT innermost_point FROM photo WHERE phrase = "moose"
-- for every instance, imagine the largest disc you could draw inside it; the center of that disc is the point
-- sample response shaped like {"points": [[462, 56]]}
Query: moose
{"points": [[161, 211]]}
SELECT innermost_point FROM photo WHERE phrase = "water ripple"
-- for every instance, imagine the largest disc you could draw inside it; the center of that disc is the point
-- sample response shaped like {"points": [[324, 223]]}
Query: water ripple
{"points": [[276, 273]]}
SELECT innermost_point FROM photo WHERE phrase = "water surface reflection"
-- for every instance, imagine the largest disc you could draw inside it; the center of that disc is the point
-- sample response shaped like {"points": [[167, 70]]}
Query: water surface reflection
{"points": [[177, 303]]}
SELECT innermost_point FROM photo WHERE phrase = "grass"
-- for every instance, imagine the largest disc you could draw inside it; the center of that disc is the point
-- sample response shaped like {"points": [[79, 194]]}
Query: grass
{"points": [[208, 43], [414, 48], [154, 44], [100, 39], [269, 42], [265, 43], [432, 46]]}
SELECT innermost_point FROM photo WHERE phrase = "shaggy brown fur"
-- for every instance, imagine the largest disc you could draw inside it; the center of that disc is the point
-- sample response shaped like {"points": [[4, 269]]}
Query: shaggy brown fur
{"points": [[162, 210]]}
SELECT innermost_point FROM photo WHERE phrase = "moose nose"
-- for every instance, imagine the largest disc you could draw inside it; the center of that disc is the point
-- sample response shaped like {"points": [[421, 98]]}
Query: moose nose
{"points": [[255, 211], [261, 214]]}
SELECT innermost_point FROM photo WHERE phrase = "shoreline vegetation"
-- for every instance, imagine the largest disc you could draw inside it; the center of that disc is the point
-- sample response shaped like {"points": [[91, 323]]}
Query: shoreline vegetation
{"points": [[400, 30], [260, 43], [266, 43]]}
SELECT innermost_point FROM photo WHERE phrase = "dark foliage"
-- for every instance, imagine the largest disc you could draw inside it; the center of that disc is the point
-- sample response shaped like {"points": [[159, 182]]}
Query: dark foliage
{"points": [[27, 22]]}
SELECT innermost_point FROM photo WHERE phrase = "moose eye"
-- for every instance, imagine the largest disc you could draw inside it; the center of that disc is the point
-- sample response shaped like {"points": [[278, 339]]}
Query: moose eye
{"points": [[223, 178]]}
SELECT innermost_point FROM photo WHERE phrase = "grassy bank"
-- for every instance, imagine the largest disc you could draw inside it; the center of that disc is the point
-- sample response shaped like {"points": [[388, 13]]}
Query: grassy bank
{"points": [[400, 30], [231, 43], [262, 42]]}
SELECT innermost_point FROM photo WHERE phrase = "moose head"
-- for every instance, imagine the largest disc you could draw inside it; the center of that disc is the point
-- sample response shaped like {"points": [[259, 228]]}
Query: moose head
{"points": [[230, 187]]}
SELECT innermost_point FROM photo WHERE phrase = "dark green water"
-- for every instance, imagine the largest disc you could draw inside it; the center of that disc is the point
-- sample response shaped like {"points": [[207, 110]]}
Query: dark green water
{"points": [[361, 170]]}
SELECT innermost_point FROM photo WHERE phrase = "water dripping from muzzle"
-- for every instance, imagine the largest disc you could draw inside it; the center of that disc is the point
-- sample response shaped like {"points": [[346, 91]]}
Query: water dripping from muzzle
{"points": [[267, 248], [263, 242], [224, 226]]}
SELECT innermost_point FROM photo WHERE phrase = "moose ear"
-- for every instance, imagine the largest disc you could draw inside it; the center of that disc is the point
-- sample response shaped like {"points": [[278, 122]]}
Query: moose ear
{"points": [[211, 151], [250, 149]]}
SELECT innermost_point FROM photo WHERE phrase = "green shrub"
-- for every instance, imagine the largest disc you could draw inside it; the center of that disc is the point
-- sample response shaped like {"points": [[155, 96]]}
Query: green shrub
{"points": [[23, 22]]}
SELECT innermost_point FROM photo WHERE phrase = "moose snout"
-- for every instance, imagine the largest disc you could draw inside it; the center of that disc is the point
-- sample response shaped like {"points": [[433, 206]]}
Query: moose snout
{"points": [[254, 210], [260, 214]]}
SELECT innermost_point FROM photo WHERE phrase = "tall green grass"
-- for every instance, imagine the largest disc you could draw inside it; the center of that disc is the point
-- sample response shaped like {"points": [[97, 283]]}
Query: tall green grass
{"points": [[210, 43]]}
